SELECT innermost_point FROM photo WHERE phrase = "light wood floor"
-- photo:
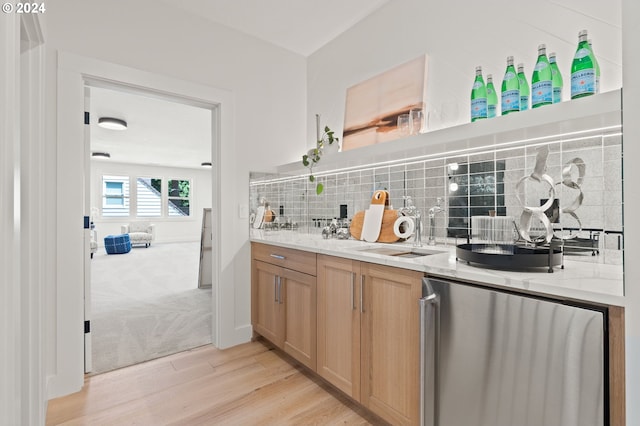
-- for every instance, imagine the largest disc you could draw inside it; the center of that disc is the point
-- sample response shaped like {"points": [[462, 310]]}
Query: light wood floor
{"points": [[244, 385]]}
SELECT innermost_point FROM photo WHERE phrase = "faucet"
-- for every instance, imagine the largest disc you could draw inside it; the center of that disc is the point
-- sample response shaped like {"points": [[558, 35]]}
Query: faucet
{"points": [[432, 221], [412, 211]]}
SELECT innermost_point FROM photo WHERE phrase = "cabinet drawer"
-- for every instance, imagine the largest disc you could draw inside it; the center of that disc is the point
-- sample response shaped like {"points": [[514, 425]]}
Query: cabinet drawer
{"points": [[296, 260]]}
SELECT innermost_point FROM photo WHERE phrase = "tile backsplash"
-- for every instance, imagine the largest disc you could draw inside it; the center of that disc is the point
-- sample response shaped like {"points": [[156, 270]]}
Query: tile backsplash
{"points": [[485, 181]]}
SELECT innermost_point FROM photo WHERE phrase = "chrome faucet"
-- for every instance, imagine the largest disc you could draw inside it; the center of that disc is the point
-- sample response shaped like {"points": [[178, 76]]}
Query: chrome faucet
{"points": [[410, 210], [432, 221]]}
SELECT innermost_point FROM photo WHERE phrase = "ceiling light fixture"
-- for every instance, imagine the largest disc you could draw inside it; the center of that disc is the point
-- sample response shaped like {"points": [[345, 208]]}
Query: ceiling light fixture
{"points": [[112, 123], [101, 154], [206, 164]]}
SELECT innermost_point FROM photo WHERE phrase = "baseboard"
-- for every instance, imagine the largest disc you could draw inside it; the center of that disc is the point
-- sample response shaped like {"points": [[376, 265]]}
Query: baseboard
{"points": [[240, 335]]}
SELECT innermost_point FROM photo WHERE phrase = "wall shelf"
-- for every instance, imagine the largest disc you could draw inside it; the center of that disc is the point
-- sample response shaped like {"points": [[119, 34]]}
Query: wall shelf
{"points": [[579, 117]]}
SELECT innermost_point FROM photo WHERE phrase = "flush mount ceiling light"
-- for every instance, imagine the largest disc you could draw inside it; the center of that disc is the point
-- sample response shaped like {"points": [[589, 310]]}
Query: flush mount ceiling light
{"points": [[112, 123], [206, 164], [101, 154]]}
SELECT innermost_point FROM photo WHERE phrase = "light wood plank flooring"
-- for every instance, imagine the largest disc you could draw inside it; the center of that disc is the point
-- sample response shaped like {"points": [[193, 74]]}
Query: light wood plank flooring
{"points": [[248, 384]]}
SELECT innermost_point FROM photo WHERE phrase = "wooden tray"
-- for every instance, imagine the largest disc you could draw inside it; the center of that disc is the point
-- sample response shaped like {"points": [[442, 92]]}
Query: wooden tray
{"points": [[386, 231]]}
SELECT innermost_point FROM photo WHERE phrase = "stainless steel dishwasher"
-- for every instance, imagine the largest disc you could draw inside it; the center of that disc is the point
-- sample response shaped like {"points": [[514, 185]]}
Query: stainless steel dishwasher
{"points": [[494, 358]]}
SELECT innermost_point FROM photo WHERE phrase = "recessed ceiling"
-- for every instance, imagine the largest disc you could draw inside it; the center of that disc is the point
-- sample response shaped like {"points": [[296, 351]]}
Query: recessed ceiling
{"points": [[302, 26], [160, 132]]}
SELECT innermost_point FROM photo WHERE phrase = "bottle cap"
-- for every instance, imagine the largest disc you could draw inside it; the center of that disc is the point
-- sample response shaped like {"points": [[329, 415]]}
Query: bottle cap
{"points": [[542, 48], [582, 35], [552, 55], [510, 60], [520, 67], [489, 77], [478, 68]]}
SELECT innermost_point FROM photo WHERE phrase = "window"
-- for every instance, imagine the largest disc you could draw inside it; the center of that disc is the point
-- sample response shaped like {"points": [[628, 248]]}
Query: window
{"points": [[115, 196], [148, 197], [178, 201]]}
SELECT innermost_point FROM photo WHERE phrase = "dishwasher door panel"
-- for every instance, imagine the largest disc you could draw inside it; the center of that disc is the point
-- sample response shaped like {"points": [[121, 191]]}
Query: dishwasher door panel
{"points": [[505, 360]]}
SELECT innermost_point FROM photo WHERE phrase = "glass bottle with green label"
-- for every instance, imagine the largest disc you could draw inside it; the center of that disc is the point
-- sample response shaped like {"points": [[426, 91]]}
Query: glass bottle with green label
{"points": [[492, 98], [541, 80], [524, 88], [556, 78], [510, 101], [597, 66], [478, 97], [583, 71]]}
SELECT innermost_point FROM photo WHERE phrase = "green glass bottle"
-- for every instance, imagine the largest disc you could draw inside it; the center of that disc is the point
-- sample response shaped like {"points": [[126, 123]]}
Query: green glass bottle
{"points": [[492, 98], [597, 64], [478, 97], [556, 78], [583, 71], [510, 89], [541, 80], [524, 88]]}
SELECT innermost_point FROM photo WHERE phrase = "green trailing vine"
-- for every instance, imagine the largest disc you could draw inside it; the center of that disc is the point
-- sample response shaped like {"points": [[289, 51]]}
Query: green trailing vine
{"points": [[313, 156]]}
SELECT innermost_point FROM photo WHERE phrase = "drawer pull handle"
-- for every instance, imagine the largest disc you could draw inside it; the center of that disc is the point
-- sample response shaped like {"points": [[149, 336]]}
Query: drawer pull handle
{"points": [[277, 256], [362, 294], [275, 289], [353, 289]]}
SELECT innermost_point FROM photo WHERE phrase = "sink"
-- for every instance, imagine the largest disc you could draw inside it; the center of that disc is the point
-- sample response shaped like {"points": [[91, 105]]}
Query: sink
{"points": [[416, 254], [398, 252]]}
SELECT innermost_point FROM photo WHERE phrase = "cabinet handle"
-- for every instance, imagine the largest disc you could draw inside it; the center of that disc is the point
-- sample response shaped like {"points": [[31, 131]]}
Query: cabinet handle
{"points": [[275, 288], [280, 290], [429, 331], [277, 256], [353, 289], [362, 294]]}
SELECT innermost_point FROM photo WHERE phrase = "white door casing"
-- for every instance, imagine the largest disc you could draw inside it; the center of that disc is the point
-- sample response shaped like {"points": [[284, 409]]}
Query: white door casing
{"points": [[74, 73], [88, 364], [22, 254]]}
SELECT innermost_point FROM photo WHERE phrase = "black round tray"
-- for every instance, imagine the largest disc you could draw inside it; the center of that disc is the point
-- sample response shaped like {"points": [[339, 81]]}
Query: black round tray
{"points": [[522, 257]]}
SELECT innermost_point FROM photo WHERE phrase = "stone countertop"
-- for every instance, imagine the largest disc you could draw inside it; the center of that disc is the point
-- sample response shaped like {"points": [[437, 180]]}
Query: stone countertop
{"points": [[582, 281]]}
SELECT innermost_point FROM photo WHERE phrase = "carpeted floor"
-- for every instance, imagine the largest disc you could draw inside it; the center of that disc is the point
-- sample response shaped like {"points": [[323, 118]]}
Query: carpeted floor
{"points": [[146, 304]]}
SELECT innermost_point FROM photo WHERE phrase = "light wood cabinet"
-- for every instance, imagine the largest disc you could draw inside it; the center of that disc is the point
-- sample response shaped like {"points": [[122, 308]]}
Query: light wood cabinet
{"points": [[268, 318], [283, 304], [390, 352], [339, 323], [368, 335], [299, 294]]}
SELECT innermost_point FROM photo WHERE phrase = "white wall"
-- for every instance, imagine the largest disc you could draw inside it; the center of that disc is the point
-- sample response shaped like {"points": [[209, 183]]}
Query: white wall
{"points": [[166, 229], [268, 87], [631, 175], [455, 42]]}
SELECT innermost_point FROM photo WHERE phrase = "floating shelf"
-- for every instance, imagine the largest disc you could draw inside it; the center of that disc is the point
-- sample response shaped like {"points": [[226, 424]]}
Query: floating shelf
{"points": [[598, 114]]}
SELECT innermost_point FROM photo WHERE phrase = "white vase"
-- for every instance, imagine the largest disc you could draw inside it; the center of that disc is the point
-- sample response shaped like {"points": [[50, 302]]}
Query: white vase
{"points": [[330, 149]]}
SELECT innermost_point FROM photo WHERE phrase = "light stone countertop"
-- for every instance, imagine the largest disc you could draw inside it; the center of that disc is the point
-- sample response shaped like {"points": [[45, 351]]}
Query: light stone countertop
{"points": [[583, 281]]}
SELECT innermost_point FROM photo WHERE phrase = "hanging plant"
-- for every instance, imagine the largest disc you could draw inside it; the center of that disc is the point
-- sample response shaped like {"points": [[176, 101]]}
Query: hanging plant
{"points": [[312, 157]]}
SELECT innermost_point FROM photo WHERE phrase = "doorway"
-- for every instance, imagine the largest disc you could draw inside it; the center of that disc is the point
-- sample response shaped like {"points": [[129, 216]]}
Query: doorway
{"points": [[146, 173], [73, 73]]}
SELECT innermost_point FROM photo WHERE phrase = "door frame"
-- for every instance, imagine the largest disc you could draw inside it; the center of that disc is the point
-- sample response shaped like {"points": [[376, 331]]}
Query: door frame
{"points": [[73, 73], [23, 255], [89, 84]]}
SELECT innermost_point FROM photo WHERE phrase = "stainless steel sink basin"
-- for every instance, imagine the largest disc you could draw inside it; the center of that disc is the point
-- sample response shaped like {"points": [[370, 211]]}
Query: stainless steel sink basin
{"points": [[399, 252]]}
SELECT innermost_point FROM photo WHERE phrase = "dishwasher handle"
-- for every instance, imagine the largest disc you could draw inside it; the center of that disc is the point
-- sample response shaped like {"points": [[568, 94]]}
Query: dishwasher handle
{"points": [[429, 337]]}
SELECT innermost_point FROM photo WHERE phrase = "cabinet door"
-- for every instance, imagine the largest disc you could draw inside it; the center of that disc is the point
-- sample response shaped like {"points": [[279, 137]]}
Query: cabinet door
{"points": [[299, 301], [390, 343], [268, 314], [339, 323]]}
